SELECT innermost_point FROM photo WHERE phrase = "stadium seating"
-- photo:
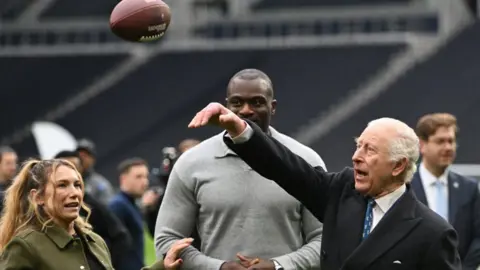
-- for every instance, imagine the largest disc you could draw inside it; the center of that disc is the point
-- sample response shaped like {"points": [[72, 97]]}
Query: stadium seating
{"points": [[155, 108], [10, 9], [64, 37], [285, 4], [321, 26], [77, 9], [448, 82], [34, 85]]}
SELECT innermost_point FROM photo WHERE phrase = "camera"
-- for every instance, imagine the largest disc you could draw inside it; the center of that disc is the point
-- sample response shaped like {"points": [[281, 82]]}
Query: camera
{"points": [[169, 157]]}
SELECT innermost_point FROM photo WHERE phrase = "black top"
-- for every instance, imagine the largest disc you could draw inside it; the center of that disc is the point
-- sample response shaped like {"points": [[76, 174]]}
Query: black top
{"points": [[92, 261], [109, 227], [3, 188]]}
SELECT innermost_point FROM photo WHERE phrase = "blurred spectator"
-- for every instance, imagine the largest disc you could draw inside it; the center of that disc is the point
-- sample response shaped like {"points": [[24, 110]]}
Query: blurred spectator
{"points": [[104, 222], [133, 174], [453, 196], [95, 184], [187, 144], [169, 157], [8, 168]]}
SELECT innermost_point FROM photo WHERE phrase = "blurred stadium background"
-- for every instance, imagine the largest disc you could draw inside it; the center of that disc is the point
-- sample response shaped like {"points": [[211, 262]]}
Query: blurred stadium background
{"points": [[335, 65]]}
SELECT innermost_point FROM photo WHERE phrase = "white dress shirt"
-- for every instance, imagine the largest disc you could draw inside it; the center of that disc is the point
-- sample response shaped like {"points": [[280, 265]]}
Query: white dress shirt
{"points": [[382, 205], [429, 181]]}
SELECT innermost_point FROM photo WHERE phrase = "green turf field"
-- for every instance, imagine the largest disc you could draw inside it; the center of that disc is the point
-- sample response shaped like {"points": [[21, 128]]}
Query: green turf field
{"points": [[149, 248]]}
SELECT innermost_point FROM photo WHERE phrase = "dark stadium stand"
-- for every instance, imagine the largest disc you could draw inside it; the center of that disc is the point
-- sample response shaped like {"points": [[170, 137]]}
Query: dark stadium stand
{"points": [[285, 4], [74, 9], [324, 26], [34, 85], [156, 102], [73, 36], [448, 82], [154, 109], [10, 9]]}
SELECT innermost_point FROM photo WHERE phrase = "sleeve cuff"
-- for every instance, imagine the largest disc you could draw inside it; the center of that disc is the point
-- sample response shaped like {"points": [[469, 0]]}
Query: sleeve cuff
{"points": [[218, 264], [244, 136], [285, 262]]}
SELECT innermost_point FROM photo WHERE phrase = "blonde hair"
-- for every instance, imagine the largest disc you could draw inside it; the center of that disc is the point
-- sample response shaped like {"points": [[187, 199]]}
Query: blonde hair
{"points": [[21, 212]]}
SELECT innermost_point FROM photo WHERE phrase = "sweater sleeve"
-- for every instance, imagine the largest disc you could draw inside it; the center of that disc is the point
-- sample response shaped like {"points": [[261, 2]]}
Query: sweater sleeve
{"points": [[176, 220], [308, 256]]}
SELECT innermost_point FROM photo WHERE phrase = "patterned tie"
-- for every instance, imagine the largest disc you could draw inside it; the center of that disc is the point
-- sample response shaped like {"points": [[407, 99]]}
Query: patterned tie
{"points": [[441, 203], [367, 224]]}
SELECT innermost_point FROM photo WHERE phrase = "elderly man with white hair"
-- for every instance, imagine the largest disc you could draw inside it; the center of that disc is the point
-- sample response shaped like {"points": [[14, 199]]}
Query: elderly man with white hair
{"points": [[371, 217]]}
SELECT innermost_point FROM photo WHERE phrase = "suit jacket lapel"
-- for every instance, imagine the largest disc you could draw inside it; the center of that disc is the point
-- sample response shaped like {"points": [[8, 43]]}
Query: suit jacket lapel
{"points": [[393, 227], [350, 223], [417, 186], [454, 197]]}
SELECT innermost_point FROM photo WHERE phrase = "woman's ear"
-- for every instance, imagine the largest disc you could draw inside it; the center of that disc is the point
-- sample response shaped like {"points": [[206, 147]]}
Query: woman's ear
{"points": [[34, 196]]}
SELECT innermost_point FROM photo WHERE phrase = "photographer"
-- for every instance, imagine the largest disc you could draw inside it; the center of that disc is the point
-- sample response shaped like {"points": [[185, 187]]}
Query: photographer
{"points": [[154, 196], [155, 193]]}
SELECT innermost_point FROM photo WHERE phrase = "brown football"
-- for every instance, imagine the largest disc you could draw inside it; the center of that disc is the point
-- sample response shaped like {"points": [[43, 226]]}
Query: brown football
{"points": [[140, 20]]}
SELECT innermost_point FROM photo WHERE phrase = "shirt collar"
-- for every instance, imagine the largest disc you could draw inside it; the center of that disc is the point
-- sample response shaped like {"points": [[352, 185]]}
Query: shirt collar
{"points": [[387, 201], [128, 197], [429, 179], [60, 236]]}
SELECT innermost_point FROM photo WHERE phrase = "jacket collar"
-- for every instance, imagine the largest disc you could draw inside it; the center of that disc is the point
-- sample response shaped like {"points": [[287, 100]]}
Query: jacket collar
{"points": [[61, 238]]}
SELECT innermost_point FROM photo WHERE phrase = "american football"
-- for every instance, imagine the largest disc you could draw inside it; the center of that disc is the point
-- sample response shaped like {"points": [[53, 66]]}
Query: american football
{"points": [[140, 20]]}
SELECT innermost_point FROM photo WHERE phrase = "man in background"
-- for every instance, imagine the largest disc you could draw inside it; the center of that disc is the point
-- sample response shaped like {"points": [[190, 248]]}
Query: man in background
{"points": [[454, 197], [8, 169], [235, 210], [155, 195], [95, 184], [187, 144], [104, 222], [133, 176]]}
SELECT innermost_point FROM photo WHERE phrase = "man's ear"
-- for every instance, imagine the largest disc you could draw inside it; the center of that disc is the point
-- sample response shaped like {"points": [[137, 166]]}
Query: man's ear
{"points": [[34, 196], [121, 179], [274, 106], [400, 167], [423, 145]]}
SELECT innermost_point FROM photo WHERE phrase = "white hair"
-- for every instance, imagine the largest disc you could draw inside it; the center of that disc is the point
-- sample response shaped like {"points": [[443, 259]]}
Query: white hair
{"points": [[405, 145]]}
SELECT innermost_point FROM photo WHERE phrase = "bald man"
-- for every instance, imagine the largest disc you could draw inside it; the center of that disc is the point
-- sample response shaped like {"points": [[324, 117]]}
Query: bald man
{"points": [[235, 210]]}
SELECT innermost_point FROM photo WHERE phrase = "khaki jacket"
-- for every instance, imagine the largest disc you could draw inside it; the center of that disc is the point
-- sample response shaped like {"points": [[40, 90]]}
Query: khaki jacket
{"points": [[55, 249]]}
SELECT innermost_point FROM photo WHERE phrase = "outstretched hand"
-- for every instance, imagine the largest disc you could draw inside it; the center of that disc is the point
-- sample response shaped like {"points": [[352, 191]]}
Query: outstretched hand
{"points": [[217, 114]]}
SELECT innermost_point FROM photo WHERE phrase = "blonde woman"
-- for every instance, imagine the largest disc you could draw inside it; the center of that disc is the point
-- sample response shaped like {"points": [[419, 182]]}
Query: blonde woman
{"points": [[41, 227]]}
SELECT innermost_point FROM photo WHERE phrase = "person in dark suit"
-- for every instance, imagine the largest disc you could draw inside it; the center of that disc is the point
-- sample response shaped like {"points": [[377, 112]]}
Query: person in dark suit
{"points": [[133, 176], [372, 219], [8, 169], [454, 197]]}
